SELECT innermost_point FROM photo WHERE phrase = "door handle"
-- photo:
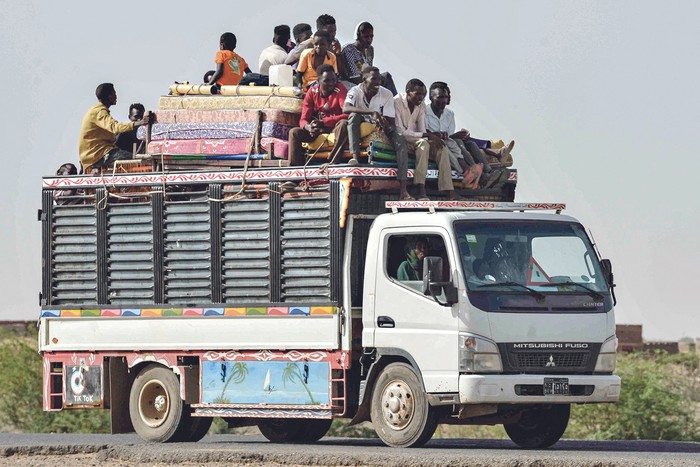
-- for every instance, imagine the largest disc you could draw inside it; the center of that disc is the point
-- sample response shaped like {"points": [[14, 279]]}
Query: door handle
{"points": [[385, 322]]}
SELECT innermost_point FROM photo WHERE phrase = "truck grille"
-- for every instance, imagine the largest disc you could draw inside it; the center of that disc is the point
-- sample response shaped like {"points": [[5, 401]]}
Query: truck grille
{"points": [[549, 360], [569, 359]]}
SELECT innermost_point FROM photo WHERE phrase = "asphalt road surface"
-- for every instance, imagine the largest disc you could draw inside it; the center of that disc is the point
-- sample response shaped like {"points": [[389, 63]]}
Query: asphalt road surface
{"points": [[127, 450]]}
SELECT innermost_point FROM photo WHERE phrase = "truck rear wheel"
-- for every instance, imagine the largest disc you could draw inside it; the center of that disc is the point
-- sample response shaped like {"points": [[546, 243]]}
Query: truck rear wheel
{"points": [[313, 429], [279, 430], [401, 414], [539, 427], [155, 406], [294, 430]]}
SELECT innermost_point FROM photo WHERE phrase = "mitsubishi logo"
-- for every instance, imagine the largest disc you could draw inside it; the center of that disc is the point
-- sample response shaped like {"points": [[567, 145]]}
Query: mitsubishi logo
{"points": [[551, 361]]}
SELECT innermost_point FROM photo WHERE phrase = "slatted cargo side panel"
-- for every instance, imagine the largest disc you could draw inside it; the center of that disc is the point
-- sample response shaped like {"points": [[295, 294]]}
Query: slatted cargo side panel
{"points": [[187, 250], [246, 251], [306, 248], [130, 253], [74, 255]]}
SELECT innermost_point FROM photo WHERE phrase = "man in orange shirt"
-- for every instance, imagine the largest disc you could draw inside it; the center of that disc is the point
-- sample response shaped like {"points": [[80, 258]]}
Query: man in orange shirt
{"points": [[230, 67], [313, 58]]}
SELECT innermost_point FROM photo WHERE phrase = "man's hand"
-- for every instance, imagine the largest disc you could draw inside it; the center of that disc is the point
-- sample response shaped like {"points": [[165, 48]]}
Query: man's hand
{"points": [[461, 134], [148, 117], [315, 127], [435, 140]]}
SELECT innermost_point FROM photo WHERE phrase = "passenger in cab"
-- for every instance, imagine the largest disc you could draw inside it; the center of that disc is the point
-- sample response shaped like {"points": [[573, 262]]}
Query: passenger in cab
{"points": [[322, 112], [276, 54], [410, 123], [98, 132], [230, 67], [310, 61]]}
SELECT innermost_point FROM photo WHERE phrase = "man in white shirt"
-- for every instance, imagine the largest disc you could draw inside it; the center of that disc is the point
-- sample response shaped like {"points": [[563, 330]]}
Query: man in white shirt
{"points": [[370, 102], [302, 34], [465, 152], [410, 123], [276, 54]]}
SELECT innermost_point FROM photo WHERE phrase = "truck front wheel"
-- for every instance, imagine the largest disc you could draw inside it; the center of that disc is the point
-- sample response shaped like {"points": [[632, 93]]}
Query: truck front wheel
{"points": [[155, 406], [400, 411], [539, 427]]}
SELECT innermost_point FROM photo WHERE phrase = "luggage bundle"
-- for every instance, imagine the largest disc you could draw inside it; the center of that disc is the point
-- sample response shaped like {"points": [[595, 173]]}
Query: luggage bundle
{"points": [[195, 129]]}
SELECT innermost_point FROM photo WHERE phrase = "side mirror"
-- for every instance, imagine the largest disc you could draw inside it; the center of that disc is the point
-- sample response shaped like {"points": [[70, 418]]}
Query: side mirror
{"points": [[608, 272], [434, 282]]}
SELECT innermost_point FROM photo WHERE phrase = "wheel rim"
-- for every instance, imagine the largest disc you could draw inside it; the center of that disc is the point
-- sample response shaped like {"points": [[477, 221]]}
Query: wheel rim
{"points": [[153, 403], [397, 405]]}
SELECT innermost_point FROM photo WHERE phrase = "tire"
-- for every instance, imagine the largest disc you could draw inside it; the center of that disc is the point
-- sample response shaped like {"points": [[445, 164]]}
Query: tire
{"points": [[400, 411], [192, 429], [155, 406], [280, 430], [312, 429], [539, 427]]}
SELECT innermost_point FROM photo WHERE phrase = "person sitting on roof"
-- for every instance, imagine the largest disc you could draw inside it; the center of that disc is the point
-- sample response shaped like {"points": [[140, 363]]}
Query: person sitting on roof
{"points": [[128, 140], [465, 155], [302, 34], [360, 53], [98, 131], [230, 67], [276, 54], [410, 122], [327, 23], [370, 102], [322, 112], [314, 58]]}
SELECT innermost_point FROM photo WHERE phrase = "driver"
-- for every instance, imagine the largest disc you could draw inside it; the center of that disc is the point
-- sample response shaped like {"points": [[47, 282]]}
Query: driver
{"points": [[412, 268]]}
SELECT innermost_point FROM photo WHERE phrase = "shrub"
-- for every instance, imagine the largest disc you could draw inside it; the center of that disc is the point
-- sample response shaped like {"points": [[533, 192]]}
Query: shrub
{"points": [[658, 402], [21, 395]]}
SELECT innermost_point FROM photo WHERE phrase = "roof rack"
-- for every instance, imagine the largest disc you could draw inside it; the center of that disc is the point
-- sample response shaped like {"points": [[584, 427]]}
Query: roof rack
{"points": [[432, 206]]}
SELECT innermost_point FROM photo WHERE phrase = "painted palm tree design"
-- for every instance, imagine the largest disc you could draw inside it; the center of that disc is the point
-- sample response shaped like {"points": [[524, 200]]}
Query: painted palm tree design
{"points": [[292, 374], [239, 371]]}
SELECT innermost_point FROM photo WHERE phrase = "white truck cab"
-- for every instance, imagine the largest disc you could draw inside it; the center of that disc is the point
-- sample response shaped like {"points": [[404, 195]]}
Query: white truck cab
{"points": [[507, 315]]}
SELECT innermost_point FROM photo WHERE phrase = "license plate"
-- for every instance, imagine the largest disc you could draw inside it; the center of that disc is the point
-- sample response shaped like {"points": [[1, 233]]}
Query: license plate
{"points": [[556, 386]]}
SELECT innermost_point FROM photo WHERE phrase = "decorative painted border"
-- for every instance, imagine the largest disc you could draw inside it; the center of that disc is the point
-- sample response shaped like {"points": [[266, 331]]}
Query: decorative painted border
{"points": [[190, 312], [477, 205], [283, 174], [265, 356], [262, 413]]}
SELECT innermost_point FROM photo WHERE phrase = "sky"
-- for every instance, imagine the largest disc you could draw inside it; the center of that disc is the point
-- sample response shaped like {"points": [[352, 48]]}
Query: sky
{"points": [[600, 96]]}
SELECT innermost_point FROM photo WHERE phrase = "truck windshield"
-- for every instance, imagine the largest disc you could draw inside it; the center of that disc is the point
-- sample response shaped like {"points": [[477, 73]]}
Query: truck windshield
{"points": [[539, 256]]}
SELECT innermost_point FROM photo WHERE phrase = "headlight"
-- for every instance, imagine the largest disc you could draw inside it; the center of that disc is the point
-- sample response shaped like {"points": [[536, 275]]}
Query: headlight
{"points": [[607, 356], [478, 355]]}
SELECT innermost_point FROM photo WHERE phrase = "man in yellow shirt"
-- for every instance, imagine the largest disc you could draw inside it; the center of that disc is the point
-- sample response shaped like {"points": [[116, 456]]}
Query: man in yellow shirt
{"points": [[98, 132]]}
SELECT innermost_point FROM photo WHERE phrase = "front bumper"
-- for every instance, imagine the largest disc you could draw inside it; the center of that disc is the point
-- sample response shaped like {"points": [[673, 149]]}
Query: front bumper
{"points": [[479, 389]]}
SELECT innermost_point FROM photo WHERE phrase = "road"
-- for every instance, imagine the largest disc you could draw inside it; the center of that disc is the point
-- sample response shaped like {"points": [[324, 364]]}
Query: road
{"points": [[218, 450]]}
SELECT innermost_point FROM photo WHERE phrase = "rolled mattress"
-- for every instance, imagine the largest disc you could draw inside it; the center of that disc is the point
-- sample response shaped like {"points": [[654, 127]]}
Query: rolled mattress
{"points": [[288, 104]]}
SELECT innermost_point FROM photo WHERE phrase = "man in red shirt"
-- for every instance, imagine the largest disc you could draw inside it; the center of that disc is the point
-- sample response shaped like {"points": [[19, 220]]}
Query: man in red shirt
{"points": [[322, 112]]}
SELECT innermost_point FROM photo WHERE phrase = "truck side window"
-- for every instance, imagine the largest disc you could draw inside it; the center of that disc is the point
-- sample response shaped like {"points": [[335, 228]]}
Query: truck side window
{"points": [[405, 254]]}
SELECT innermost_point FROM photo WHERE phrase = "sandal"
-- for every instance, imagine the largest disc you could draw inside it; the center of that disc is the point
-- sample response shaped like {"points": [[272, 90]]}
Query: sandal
{"points": [[423, 198], [407, 197], [353, 162]]}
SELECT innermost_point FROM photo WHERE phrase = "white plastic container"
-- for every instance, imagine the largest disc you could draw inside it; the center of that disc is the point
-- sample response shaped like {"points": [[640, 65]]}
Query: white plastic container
{"points": [[281, 75]]}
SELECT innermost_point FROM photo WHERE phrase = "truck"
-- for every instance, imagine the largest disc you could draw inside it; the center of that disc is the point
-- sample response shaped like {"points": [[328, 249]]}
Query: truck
{"points": [[173, 298]]}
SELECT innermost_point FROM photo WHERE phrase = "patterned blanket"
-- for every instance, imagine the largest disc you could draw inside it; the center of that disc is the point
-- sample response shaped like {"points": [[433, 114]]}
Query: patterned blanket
{"points": [[220, 130], [215, 116]]}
